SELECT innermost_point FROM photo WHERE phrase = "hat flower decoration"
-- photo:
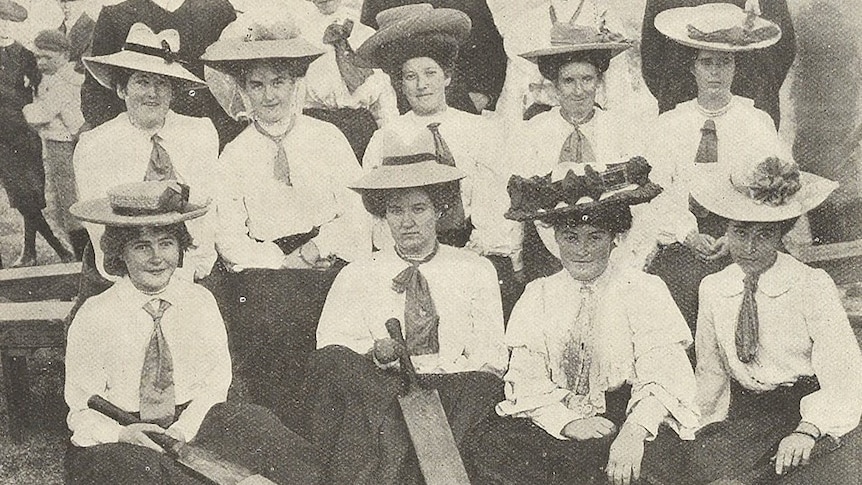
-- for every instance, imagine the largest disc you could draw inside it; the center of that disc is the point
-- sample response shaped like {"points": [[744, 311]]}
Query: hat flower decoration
{"points": [[543, 198], [774, 181]]}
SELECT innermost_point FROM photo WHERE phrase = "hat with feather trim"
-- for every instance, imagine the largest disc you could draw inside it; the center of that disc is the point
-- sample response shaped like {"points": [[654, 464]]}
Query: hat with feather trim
{"points": [[718, 27]]}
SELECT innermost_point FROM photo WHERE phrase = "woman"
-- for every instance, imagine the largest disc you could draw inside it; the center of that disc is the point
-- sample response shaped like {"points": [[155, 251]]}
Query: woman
{"points": [[418, 46], [779, 370], [22, 174], [287, 223], [449, 302], [155, 345], [148, 141], [598, 358], [701, 134]]}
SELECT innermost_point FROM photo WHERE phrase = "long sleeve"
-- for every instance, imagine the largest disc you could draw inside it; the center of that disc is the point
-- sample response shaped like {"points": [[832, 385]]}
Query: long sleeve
{"points": [[86, 376], [486, 312], [213, 386], [233, 241], [342, 321], [713, 378], [835, 356]]}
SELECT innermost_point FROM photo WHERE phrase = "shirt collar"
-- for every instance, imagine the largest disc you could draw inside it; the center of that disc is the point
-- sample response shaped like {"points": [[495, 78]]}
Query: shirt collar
{"points": [[168, 131], [137, 299], [774, 282]]}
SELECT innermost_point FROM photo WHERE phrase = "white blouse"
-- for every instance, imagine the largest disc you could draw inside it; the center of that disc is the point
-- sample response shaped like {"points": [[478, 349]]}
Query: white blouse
{"points": [[466, 295], [803, 331], [639, 336]]}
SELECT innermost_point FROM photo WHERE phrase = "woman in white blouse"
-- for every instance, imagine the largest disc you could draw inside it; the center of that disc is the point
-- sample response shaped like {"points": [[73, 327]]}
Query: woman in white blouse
{"points": [[598, 360], [779, 370], [449, 303]]}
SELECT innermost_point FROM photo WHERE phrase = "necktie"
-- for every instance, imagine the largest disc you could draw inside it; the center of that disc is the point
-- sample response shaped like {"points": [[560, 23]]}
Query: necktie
{"points": [[160, 166], [578, 353], [577, 149], [707, 151], [420, 314], [157, 381], [337, 35], [746, 322], [280, 168], [453, 218]]}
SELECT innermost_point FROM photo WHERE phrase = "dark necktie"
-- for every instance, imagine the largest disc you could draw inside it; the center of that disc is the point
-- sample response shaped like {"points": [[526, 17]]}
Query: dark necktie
{"points": [[578, 354], [280, 167], [158, 401], [160, 166], [453, 218], [420, 314], [577, 149], [747, 326], [707, 151], [337, 35]]}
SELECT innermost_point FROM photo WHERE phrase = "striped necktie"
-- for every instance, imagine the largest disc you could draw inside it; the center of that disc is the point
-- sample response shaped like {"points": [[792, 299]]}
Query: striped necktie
{"points": [[280, 167], [158, 402], [747, 324], [160, 166]]}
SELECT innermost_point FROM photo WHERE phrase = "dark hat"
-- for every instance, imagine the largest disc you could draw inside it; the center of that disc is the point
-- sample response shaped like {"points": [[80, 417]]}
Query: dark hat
{"points": [[12, 11], [592, 195], [52, 40], [141, 204]]}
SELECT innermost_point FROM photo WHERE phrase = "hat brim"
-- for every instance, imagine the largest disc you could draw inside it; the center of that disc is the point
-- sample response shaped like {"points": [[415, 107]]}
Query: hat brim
{"points": [[406, 176], [674, 22], [627, 197], [722, 198], [377, 52], [225, 53], [611, 48], [99, 211], [104, 68]]}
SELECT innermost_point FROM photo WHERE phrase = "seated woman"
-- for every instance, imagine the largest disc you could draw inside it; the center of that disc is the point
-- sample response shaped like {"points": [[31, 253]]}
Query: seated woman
{"points": [[148, 141], [284, 208], [155, 345], [449, 301], [779, 370], [598, 358]]}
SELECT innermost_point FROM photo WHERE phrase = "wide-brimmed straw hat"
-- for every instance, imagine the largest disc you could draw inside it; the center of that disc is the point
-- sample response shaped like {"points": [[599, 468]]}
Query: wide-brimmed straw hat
{"points": [[145, 51], [406, 171], [554, 198], [400, 25], [569, 37], [719, 27], [770, 191], [262, 39], [12, 11], [141, 204]]}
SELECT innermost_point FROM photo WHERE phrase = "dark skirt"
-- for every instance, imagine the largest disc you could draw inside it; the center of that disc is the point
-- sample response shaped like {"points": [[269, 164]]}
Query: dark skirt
{"points": [[22, 173], [515, 451], [741, 447], [354, 415], [243, 434]]}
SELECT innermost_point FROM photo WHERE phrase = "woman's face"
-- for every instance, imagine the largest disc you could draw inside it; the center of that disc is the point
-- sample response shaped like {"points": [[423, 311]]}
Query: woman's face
{"points": [[754, 245], [584, 250], [424, 84], [151, 259], [577, 84], [412, 220], [713, 72], [272, 93], [148, 99]]}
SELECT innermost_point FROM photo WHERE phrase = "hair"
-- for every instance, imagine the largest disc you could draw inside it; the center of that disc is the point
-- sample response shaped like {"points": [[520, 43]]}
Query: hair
{"points": [[115, 239], [120, 77], [442, 196], [434, 45], [784, 227], [616, 218], [293, 67], [549, 66]]}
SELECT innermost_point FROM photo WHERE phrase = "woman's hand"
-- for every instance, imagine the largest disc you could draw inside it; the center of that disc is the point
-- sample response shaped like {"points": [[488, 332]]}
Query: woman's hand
{"points": [[626, 454], [794, 450], [588, 428], [135, 434], [702, 244], [720, 249]]}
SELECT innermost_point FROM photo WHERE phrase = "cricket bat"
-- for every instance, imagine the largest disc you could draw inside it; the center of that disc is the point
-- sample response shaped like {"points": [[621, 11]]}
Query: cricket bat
{"points": [[202, 462], [429, 429]]}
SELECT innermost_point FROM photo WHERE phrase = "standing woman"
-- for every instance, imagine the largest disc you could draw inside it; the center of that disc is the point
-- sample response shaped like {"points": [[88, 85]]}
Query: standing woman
{"points": [[779, 370], [287, 223], [418, 46], [22, 174], [449, 303], [704, 134]]}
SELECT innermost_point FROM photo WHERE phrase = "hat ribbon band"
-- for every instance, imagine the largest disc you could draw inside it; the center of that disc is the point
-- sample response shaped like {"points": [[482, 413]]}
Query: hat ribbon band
{"points": [[164, 51]]}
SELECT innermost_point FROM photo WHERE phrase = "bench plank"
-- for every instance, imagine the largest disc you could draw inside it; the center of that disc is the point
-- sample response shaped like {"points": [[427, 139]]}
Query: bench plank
{"points": [[35, 283]]}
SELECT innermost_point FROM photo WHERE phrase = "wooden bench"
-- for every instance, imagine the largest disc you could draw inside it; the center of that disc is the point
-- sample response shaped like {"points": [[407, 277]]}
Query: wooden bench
{"points": [[34, 303]]}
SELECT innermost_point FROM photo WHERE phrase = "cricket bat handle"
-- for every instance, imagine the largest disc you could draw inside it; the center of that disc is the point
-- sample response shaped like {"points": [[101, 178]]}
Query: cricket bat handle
{"points": [[393, 326], [102, 405]]}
